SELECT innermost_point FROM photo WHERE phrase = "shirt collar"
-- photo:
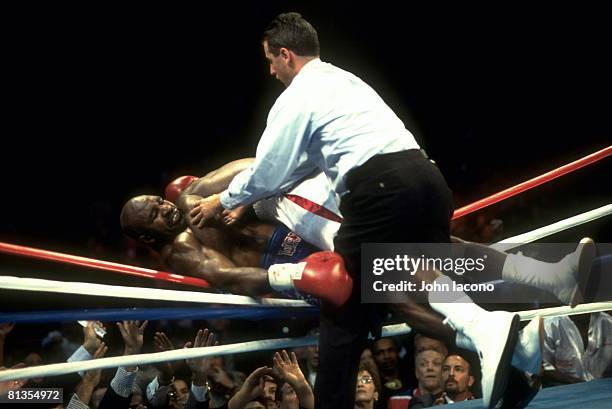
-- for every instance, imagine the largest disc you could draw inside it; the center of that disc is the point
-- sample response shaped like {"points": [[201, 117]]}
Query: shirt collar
{"points": [[312, 64]]}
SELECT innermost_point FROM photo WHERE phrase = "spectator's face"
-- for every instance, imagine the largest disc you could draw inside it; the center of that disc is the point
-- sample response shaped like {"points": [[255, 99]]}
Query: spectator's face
{"points": [[290, 400], [429, 371], [456, 375], [366, 390], [366, 355], [34, 359], [182, 392], [269, 391], [312, 356], [385, 354]]}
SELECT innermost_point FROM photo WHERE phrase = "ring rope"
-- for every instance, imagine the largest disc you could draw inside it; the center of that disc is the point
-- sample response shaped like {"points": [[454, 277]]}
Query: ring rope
{"points": [[40, 254], [140, 293], [534, 182], [140, 359], [250, 346], [537, 234], [528, 315], [140, 314]]}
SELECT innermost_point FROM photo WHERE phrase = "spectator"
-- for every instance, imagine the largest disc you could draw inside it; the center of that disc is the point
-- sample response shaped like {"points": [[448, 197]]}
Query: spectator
{"points": [[368, 385], [394, 380], [84, 390], [429, 375], [577, 348], [120, 391], [251, 390], [312, 363], [269, 393], [456, 379]]}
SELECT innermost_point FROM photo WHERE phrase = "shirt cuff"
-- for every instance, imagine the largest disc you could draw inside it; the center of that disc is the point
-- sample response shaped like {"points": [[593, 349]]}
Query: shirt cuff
{"points": [[200, 393], [75, 403], [226, 201], [152, 388], [79, 355], [123, 382]]}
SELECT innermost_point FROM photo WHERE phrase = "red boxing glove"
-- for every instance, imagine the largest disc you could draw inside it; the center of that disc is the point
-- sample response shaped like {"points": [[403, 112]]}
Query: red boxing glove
{"points": [[321, 274], [176, 187]]}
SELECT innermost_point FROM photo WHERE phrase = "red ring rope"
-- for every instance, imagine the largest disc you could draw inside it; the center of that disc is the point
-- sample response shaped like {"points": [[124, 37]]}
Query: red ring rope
{"points": [[99, 264], [176, 278], [531, 183]]}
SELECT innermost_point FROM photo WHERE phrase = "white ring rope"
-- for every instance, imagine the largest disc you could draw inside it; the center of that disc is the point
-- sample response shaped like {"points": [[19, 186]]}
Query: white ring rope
{"points": [[528, 315], [140, 359], [104, 290], [517, 241], [251, 346]]}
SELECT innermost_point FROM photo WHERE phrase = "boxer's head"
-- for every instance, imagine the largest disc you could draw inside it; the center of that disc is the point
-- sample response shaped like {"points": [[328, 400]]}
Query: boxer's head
{"points": [[152, 220]]}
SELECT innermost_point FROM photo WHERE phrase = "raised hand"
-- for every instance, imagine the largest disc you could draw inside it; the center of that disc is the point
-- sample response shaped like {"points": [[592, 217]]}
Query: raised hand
{"points": [[201, 366], [91, 342], [93, 376], [287, 368], [162, 343], [251, 389], [132, 334]]}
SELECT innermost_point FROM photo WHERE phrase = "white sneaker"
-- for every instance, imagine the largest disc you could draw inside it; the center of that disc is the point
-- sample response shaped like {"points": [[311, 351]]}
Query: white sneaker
{"points": [[580, 261], [528, 351], [494, 336]]}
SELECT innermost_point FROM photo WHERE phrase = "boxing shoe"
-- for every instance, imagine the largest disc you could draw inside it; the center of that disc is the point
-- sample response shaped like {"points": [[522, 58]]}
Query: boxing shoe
{"points": [[176, 187], [566, 279], [493, 336], [527, 354], [580, 261], [321, 274], [528, 351]]}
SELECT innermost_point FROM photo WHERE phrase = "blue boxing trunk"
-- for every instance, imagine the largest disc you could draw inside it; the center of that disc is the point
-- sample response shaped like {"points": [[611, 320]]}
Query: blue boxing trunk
{"points": [[287, 247]]}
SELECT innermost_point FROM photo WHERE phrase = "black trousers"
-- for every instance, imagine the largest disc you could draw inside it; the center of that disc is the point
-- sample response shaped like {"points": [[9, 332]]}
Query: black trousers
{"points": [[398, 197]]}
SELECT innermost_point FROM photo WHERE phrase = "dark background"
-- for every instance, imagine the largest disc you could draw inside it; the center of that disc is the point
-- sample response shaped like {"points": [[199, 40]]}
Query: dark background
{"points": [[101, 105]]}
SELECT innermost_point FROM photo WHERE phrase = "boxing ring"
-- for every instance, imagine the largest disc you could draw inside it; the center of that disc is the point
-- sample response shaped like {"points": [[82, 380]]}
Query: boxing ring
{"points": [[593, 394]]}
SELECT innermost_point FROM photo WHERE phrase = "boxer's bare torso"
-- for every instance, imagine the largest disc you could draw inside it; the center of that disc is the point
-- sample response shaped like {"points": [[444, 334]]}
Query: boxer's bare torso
{"points": [[221, 255]]}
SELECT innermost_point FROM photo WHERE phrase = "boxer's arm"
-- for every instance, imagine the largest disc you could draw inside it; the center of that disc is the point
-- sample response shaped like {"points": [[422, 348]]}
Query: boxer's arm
{"points": [[218, 180], [220, 272]]}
